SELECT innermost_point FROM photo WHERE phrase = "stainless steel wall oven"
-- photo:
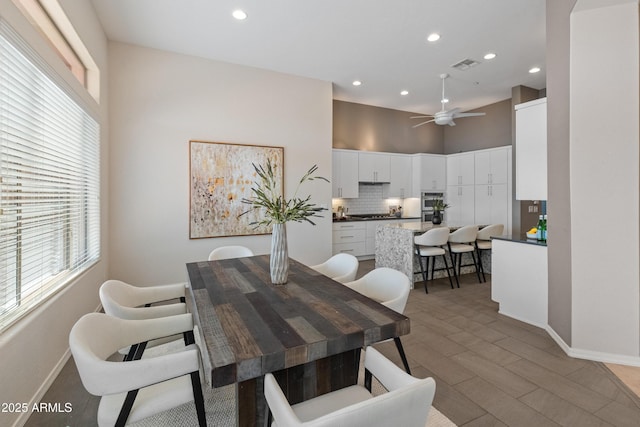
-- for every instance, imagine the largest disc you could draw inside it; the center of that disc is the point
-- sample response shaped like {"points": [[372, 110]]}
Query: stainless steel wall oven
{"points": [[426, 204]]}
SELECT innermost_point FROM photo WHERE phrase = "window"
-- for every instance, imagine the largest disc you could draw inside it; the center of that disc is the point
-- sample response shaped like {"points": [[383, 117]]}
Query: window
{"points": [[49, 183]]}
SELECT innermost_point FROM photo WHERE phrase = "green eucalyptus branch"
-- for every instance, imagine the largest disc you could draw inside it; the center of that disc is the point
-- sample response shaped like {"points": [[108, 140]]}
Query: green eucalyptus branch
{"points": [[277, 209]]}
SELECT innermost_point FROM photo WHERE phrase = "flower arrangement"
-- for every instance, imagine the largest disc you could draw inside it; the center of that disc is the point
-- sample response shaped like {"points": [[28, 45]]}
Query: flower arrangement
{"points": [[439, 205], [276, 208]]}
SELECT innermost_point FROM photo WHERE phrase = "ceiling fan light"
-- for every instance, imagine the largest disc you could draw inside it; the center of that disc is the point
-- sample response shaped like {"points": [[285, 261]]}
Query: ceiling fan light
{"points": [[444, 100], [433, 37]]}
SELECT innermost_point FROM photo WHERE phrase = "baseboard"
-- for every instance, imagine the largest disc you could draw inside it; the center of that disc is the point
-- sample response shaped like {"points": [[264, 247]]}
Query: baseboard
{"points": [[42, 390], [596, 356], [44, 387]]}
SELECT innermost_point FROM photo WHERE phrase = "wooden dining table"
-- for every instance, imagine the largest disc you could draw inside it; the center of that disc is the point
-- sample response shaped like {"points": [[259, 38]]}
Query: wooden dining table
{"points": [[308, 332]]}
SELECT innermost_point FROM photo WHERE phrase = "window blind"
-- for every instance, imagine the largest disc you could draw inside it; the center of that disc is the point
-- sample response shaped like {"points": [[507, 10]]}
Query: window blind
{"points": [[49, 184]]}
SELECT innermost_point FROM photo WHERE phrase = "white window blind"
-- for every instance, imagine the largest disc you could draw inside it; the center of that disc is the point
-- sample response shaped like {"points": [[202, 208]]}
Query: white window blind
{"points": [[49, 188]]}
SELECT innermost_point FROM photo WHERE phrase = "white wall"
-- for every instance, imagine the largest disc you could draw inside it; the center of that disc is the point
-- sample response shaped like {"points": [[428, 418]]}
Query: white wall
{"points": [[34, 349], [604, 177], [159, 101]]}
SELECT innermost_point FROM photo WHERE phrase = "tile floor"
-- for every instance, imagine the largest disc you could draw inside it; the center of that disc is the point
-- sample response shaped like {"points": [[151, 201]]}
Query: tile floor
{"points": [[490, 370]]}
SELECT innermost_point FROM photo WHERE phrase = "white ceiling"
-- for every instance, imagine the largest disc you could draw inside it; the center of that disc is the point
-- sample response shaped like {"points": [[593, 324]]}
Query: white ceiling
{"points": [[380, 42]]}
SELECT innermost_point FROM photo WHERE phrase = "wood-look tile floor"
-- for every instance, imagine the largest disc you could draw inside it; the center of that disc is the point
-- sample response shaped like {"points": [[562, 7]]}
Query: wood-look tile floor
{"points": [[490, 370]]}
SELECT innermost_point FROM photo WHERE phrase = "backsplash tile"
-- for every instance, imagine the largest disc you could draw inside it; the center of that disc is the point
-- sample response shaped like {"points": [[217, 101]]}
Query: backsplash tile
{"points": [[370, 201]]}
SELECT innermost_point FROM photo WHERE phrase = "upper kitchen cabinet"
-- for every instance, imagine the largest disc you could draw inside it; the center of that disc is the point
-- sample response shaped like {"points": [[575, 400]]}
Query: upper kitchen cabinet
{"points": [[531, 150], [491, 166], [401, 176], [374, 167], [460, 169], [429, 173], [344, 180]]}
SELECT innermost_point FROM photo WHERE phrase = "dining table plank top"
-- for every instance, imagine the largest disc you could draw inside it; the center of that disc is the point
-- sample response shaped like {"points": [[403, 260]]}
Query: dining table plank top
{"points": [[250, 327]]}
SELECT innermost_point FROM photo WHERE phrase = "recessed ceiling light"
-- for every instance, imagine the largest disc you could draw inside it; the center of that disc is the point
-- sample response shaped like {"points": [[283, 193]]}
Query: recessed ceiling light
{"points": [[433, 37], [356, 83], [239, 14], [534, 70], [404, 92], [490, 55]]}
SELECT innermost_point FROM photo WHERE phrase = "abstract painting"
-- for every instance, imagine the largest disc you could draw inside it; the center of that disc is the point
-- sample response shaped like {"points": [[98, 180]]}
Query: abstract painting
{"points": [[222, 174]]}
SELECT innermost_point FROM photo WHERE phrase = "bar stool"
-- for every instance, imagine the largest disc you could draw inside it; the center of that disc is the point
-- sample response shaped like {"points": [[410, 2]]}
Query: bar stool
{"points": [[483, 241], [428, 246], [463, 241]]}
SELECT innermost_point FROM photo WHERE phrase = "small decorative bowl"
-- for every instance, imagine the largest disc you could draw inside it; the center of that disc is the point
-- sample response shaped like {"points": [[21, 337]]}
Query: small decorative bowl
{"points": [[531, 236]]}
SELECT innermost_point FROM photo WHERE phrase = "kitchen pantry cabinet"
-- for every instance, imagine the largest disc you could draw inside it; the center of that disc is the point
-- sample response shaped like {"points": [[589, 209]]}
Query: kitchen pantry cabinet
{"points": [[349, 237], [429, 173], [491, 204], [461, 169], [401, 176], [461, 200], [491, 166], [344, 182], [374, 167], [531, 150]]}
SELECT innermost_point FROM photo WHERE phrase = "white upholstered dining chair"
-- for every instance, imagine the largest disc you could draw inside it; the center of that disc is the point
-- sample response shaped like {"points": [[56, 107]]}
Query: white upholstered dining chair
{"points": [[134, 390], [227, 252], [340, 267], [406, 404], [390, 288], [125, 301]]}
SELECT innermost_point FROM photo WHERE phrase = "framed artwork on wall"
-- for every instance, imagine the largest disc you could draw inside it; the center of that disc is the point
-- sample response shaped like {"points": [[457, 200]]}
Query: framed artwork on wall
{"points": [[221, 175]]}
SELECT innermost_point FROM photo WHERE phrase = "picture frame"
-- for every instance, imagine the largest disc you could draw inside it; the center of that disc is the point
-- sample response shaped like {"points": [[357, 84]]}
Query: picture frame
{"points": [[221, 175]]}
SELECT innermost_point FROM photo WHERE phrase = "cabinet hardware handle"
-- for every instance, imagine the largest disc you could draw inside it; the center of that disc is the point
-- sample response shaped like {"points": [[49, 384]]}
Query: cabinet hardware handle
{"points": [[347, 250], [347, 237]]}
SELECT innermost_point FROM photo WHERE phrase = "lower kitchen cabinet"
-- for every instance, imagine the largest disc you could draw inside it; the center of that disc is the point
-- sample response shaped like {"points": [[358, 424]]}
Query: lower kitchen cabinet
{"points": [[519, 280], [349, 237]]}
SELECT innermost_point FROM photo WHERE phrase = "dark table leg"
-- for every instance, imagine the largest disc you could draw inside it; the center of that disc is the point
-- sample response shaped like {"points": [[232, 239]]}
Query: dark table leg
{"points": [[299, 383]]}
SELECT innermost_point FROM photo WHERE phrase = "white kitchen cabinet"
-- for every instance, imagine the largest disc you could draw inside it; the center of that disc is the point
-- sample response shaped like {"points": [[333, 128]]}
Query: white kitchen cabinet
{"points": [[531, 150], [344, 182], [492, 204], [370, 242], [461, 169], [401, 176], [491, 166], [461, 200], [519, 281], [349, 237], [429, 173], [374, 167]]}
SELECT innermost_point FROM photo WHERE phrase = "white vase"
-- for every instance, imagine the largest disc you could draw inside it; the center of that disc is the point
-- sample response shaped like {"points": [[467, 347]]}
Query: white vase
{"points": [[279, 262]]}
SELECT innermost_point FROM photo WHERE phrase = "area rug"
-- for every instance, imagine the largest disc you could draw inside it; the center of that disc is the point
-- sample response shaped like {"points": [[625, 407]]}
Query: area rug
{"points": [[220, 406]]}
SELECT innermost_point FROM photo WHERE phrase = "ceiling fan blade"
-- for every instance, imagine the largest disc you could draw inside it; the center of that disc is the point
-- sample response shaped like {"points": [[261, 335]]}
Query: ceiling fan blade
{"points": [[423, 123], [451, 123], [470, 114], [420, 117]]}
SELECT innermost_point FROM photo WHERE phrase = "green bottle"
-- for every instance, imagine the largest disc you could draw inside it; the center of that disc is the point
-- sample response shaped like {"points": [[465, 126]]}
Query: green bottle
{"points": [[539, 228]]}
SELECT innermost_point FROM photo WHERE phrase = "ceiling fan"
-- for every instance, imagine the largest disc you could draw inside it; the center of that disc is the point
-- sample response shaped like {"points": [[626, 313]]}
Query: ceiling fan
{"points": [[445, 117]]}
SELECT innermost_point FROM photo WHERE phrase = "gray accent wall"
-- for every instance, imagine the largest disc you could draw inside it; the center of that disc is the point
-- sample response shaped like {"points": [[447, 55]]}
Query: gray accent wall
{"points": [[478, 133], [369, 128], [558, 166]]}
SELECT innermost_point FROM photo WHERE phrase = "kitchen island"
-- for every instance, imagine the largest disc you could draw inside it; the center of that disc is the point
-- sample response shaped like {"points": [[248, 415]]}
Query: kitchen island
{"points": [[394, 248]]}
